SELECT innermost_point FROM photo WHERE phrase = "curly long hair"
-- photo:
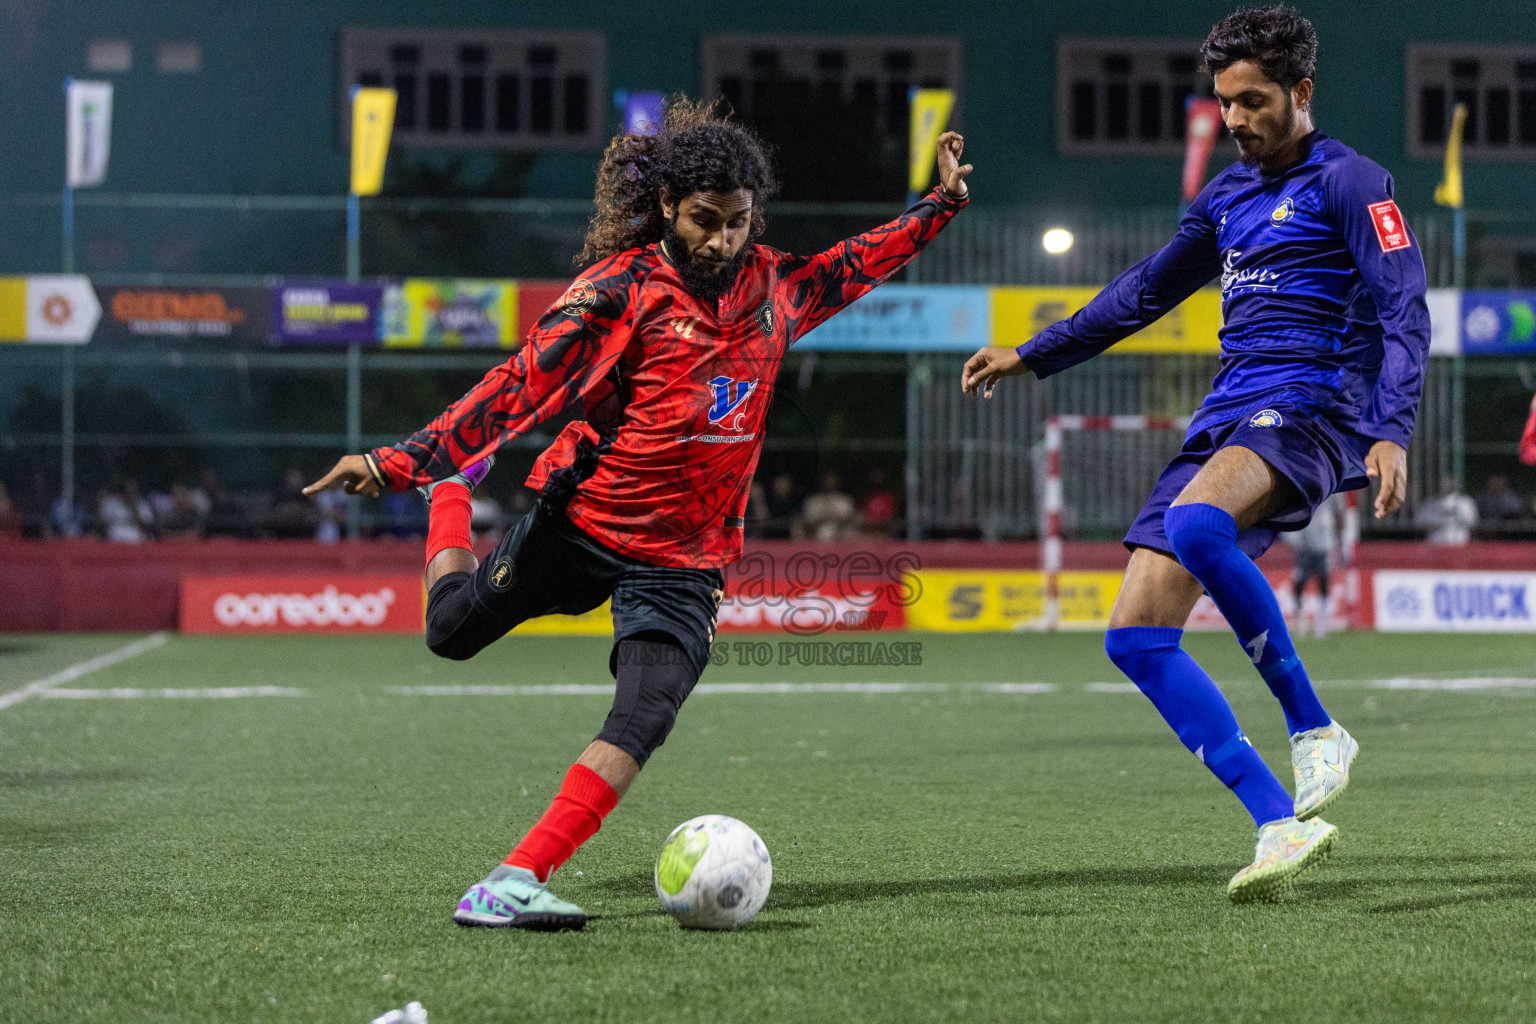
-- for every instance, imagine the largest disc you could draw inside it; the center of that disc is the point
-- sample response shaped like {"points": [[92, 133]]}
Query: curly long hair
{"points": [[696, 150]]}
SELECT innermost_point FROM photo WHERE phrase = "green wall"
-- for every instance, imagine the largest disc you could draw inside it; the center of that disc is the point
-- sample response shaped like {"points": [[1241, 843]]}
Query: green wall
{"points": [[261, 116]]}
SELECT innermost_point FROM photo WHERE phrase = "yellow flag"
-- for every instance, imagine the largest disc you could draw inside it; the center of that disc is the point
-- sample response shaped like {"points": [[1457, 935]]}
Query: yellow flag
{"points": [[930, 115], [373, 115], [1448, 192]]}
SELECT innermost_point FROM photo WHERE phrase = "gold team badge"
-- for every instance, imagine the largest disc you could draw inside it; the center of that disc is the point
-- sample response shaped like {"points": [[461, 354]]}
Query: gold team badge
{"points": [[579, 297], [764, 318], [502, 575]]}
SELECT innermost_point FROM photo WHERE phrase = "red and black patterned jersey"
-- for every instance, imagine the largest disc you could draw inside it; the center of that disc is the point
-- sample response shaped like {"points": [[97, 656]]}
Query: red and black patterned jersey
{"points": [[688, 384]]}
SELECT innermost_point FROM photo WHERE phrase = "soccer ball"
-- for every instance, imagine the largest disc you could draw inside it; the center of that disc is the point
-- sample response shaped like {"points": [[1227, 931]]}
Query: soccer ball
{"points": [[713, 873]]}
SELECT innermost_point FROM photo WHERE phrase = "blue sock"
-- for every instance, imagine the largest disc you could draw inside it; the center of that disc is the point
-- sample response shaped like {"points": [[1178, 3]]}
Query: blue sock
{"points": [[1187, 699], [1205, 540]]}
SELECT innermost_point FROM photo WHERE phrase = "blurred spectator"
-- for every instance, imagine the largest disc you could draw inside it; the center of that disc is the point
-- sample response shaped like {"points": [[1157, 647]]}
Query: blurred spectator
{"points": [[779, 507], [183, 521], [33, 506], [143, 511], [757, 509], [332, 506], [1497, 500], [1450, 517], [10, 517], [405, 514], [1312, 547], [67, 518], [225, 517], [879, 507], [293, 515], [827, 515], [115, 520]]}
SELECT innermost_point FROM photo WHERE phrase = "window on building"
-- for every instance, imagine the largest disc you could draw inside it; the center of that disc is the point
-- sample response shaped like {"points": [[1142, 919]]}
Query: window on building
{"points": [[834, 108], [1498, 86], [1125, 96], [484, 89]]}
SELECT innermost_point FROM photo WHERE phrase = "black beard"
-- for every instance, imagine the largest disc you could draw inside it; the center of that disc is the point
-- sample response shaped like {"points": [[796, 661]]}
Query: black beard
{"points": [[1286, 123], [703, 281]]}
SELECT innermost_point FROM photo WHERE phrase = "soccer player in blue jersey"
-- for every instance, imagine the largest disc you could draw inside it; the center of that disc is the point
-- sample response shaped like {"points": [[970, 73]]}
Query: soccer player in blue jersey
{"points": [[1323, 350]]}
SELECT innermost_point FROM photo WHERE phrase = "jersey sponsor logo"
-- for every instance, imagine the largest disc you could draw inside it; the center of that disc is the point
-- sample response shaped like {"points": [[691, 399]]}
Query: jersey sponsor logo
{"points": [[579, 297], [1284, 212], [1266, 418], [1391, 232], [730, 393], [684, 325], [1252, 279], [764, 318]]}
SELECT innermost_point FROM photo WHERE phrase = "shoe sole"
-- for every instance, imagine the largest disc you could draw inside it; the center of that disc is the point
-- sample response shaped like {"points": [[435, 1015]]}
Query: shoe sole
{"points": [[533, 922], [1278, 882], [1333, 795]]}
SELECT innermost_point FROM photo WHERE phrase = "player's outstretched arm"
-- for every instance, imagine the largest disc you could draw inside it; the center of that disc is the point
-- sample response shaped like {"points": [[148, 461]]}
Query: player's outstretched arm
{"points": [[352, 474], [818, 286], [988, 366]]}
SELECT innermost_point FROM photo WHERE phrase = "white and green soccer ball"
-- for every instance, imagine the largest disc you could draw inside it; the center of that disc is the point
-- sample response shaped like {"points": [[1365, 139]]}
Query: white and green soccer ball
{"points": [[713, 873]]}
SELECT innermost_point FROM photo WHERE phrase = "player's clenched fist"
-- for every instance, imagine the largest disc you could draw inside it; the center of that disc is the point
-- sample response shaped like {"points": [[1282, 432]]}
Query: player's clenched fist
{"points": [[989, 365], [354, 475]]}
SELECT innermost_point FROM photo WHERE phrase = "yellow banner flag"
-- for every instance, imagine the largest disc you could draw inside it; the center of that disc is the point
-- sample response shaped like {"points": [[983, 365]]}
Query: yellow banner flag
{"points": [[930, 115], [1448, 192], [373, 116]]}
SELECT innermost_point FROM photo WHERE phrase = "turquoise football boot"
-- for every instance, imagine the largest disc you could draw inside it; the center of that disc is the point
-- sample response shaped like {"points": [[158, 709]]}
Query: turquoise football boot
{"points": [[512, 897]]}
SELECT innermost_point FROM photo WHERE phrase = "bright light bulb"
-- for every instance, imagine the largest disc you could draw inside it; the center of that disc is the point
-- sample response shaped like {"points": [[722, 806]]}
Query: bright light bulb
{"points": [[1057, 241]]}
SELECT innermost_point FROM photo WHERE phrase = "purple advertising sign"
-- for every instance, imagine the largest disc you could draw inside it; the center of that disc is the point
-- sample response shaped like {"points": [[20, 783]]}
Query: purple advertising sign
{"points": [[326, 313]]}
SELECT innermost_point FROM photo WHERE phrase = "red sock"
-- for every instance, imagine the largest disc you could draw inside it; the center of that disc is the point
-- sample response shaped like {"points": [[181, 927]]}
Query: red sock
{"points": [[574, 817], [448, 520]]}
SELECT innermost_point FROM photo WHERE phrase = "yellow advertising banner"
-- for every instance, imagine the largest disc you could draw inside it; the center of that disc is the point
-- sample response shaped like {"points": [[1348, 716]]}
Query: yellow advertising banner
{"points": [[930, 115], [373, 117], [13, 309], [991, 600], [597, 622], [449, 313], [1018, 314]]}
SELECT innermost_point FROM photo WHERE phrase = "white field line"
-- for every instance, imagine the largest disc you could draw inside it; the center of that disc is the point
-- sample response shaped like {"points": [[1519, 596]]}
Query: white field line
{"points": [[83, 668], [206, 693], [1458, 685]]}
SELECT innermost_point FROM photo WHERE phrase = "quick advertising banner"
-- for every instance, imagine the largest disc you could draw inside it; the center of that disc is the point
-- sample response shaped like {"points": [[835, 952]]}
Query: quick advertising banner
{"points": [[910, 318], [1449, 601]]}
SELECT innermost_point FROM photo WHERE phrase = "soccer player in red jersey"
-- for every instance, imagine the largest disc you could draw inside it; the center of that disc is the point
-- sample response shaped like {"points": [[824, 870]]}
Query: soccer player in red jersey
{"points": [[672, 338]]}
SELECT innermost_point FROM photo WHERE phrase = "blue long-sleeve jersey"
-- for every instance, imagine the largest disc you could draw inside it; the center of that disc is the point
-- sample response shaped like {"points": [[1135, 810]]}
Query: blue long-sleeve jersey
{"points": [[1322, 284]]}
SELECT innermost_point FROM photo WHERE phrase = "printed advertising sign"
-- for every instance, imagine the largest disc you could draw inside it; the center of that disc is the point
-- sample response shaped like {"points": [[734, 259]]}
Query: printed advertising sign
{"points": [[1455, 602], [1498, 323], [234, 313], [451, 314], [326, 313], [922, 318], [1019, 314], [59, 308], [301, 604]]}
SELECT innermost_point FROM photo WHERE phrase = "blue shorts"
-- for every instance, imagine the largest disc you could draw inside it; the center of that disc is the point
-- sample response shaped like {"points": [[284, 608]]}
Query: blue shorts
{"points": [[1293, 432]]}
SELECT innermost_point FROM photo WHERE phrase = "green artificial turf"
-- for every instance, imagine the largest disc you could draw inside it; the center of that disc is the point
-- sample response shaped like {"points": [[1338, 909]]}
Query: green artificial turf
{"points": [[951, 855]]}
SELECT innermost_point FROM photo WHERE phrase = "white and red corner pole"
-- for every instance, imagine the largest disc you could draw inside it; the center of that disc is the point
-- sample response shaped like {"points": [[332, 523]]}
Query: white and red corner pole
{"points": [[1050, 523]]}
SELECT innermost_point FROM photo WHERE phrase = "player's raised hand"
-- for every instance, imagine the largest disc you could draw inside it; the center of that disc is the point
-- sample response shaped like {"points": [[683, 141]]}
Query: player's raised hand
{"points": [[951, 172], [351, 472], [1388, 462], [989, 365]]}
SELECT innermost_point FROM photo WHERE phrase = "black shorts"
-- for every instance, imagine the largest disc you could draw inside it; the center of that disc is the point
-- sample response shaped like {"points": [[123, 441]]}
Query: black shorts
{"points": [[547, 565]]}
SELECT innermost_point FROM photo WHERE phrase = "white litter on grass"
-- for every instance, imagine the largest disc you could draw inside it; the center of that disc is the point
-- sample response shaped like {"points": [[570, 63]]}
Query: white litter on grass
{"points": [[205, 693], [414, 1013]]}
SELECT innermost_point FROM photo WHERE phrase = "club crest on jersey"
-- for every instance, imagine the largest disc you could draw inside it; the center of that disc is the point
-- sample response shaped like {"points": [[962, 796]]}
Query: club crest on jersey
{"points": [[1284, 212], [579, 297], [729, 394], [1266, 418], [764, 318], [502, 575]]}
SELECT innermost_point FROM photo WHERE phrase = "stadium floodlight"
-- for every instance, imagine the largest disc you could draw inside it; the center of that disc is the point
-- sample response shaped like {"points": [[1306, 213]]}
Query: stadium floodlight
{"points": [[1057, 241]]}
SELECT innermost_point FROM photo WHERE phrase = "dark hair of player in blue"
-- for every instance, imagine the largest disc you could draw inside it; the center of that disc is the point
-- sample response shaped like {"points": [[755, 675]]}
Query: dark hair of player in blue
{"points": [[696, 150], [1278, 39]]}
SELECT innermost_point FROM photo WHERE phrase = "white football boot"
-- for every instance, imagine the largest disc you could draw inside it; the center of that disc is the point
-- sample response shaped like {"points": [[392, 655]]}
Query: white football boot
{"points": [[1321, 759]]}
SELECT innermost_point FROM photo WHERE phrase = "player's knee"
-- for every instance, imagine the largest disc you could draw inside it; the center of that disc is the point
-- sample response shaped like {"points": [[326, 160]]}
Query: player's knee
{"points": [[653, 678], [447, 608], [1200, 535]]}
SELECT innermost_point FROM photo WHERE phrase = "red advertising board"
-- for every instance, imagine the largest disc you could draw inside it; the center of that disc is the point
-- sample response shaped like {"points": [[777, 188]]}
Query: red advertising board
{"points": [[301, 604]]}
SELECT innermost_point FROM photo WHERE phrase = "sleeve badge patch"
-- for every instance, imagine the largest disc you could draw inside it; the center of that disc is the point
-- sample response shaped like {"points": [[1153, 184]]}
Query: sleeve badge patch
{"points": [[1391, 232]]}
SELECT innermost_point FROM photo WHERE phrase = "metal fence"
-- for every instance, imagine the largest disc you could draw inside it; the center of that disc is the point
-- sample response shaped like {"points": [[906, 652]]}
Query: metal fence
{"points": [[975, 467]]}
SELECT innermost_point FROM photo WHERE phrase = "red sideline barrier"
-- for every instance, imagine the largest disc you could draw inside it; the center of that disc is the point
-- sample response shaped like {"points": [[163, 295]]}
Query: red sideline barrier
{"points": [[83, 585]]}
